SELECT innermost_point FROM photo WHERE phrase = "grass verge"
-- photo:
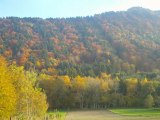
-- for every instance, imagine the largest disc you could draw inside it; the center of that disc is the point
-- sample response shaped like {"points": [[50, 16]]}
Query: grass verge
{"points": [[57, 115]]}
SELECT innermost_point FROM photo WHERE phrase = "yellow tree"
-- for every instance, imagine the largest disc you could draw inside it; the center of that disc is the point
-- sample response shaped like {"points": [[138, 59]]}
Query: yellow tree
{"points": [[7, 92], [107, 81], [30, 101], [131, 86], [66, 80], [104, 86], [79, 87]]}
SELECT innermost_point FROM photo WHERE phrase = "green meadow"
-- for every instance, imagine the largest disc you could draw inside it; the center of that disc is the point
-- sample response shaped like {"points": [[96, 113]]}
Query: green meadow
{"points": [[137, 112]]}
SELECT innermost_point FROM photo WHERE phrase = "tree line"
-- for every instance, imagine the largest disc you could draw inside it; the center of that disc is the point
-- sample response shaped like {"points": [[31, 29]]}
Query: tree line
{"points": [[104, 91]]}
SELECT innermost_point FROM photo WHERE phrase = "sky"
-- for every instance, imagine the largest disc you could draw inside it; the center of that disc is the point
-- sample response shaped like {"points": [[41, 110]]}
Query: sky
{"points": [[69, 8]]}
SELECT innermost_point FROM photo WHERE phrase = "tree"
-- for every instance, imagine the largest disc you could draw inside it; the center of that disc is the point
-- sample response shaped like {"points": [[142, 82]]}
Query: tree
{"points": [[92, 92], [148, 101], [60, 94], [79, 87], [66, 80], [122, 87], [131, 86], [157, 101], [31, 102], [8, 96], [148, 88]]}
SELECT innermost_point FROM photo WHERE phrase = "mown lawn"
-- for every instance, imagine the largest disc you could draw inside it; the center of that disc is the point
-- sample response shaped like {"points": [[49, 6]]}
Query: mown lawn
{"points": [[137, 112]]}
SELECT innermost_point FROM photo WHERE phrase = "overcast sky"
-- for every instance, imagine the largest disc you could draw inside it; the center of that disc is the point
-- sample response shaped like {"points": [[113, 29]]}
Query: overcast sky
{"points": [[69, 8]]}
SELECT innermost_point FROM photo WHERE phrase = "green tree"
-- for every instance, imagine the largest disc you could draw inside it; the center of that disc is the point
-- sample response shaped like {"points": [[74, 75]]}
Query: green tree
{"points": [[148, 101]]}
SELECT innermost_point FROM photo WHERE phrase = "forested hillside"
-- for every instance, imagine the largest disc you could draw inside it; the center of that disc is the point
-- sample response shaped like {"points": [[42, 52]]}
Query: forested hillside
{"points": [[106, 60], [110, 42]]}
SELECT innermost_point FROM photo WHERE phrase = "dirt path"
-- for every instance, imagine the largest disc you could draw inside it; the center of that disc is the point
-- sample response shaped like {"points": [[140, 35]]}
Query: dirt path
{"points": [[102, 115]]}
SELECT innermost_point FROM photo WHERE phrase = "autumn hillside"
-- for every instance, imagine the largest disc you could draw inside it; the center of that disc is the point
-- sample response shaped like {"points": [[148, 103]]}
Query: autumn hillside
{"points": [[111, 42], [109, 60]]}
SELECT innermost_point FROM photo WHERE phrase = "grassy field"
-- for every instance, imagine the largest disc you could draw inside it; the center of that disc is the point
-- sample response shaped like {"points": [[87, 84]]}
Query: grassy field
{"points": [[115, 114], [137, 112]]}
